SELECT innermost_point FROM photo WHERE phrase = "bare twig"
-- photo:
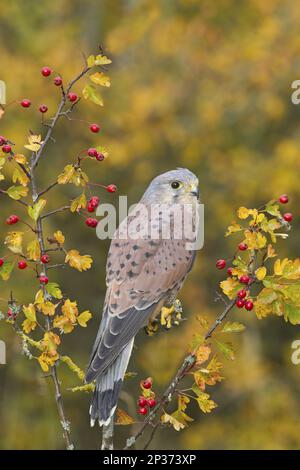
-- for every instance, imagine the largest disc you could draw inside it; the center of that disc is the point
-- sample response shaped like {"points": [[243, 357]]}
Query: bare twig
{"points": [[61, 209], [52, 185]]}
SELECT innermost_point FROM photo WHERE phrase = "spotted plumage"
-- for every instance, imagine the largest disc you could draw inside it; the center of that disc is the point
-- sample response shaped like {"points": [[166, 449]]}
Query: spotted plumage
{"points": [[143, 275]]}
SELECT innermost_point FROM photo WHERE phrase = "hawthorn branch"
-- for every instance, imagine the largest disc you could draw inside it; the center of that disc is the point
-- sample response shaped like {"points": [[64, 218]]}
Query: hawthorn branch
{"points": [[55, 211], [56, 117], [44, 191]]}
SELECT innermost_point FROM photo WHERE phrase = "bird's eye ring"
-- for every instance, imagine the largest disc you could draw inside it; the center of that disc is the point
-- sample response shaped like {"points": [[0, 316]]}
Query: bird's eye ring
{"points": [[176, 184]]}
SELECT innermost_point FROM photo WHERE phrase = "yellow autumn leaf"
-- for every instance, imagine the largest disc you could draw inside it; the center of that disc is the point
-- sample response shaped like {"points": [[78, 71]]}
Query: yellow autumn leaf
{"points": [[261, 273], [20, 158], [16, 192], [59, 237], [63, 323], [67, 175], [33, 250], [77, 261], [83, 318], [102, 60], [14, 240], [35, 210], [70, 310], [123, 418], [230, 287], [243, 213], [29, 324], [271, 253], [100, 79], [78, 203], [202, 353], [47, 308], [170, 419], [20, 176], [233, 228], [34, 142]]}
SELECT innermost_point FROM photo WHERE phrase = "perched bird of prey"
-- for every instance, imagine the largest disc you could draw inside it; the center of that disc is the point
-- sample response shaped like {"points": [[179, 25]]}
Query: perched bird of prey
{"points": [[144, 274]]}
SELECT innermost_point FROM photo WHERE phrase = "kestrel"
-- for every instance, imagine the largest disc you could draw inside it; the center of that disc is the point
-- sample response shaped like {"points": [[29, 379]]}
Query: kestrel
{"points": [[144, 271]]}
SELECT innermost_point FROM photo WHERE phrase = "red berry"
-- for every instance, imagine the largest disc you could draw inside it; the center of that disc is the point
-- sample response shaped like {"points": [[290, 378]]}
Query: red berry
{"points": [[22, 264], [229, 271], [143, 411], [221, 263], [240, 303], [151, 402], [142, 401], [249, 305], [288, 217], [25, 103], [57, 81], [91, 222], [1, 262], [94, 201], [46, 71], [245, 279], [242, 294], [6, 148], [12, 219], [284, 199], [10, 312], [45, 259], [147, 384], [243, 246], [91, 208], [72, 97], [100, 157], [44, 279], [92, 152], [43, 108], [111, 188], [94, 128], [2, 140]]}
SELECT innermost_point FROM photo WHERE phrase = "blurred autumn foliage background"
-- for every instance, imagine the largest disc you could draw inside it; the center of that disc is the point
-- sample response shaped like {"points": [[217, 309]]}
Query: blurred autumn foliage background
{"points": [[198, 84]]}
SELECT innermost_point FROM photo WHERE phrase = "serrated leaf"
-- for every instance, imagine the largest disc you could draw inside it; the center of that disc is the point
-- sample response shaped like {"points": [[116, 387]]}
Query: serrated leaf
{"points": [[59, 237], [230, 287], [14, 240], [54, 290], [67, 175], [83, 318], [123, 418], [78, 203], [233, 327], [33, 250], [20, 176], [102, 60], [20, 158], [34, 142], [89, 92], [35, 210], [205, 404], [261, 273], [100, 79], [16, 192], [78, 261]]}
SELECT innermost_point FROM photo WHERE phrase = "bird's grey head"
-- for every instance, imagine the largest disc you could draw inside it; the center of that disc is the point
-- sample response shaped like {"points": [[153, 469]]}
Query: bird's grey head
{"points": [[176, 186]]}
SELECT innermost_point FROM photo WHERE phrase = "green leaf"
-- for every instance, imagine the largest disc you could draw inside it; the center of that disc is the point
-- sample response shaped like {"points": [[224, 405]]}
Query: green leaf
{"points": [[90, 93], [35, 210], [6, 270], [16, 192], [54, 290], [233, 327], [273, 209], [102, 60]]}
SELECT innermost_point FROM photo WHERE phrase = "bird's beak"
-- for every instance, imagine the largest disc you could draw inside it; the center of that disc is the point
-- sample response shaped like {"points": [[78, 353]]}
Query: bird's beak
{"points": [[194, 190]]}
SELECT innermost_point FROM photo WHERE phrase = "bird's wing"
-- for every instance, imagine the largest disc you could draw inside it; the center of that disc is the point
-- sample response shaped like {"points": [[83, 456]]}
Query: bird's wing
{"points": [[140, 274]]}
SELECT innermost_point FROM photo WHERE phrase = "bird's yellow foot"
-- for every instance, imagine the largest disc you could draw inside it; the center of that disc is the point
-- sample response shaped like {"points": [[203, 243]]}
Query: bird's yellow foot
{"points": [[170, 316]]}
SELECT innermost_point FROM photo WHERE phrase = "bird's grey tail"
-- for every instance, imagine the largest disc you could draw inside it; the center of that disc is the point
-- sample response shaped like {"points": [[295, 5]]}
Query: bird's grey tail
{"points": [[108, 386]]}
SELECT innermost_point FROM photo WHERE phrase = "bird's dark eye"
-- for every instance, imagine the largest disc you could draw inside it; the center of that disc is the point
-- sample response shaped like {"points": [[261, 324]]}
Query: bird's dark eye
{"points": [[175, 184]]}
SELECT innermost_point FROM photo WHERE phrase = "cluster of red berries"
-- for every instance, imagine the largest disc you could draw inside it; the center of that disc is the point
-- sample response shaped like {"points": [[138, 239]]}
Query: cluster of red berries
{"points": [[92, 152], [5, 147], [242, 302], [93, 204], [143, 402]]}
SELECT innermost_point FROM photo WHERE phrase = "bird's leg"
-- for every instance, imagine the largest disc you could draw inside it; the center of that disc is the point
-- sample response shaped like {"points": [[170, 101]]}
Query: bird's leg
{"points": [[152, 327], [108, 435]]}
